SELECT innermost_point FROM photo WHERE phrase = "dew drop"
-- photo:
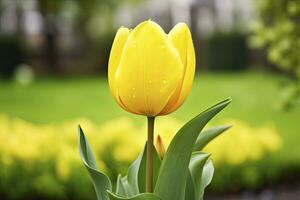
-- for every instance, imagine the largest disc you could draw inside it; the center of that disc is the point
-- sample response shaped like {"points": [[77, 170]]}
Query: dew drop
{"points": [[162, 46]]}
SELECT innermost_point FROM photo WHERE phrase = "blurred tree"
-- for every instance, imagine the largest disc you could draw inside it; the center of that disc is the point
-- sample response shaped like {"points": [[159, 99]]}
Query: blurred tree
{"points": [[49, 10], [11, 55], [97, 17], [277, 30], [85, 27], [94, 20]]}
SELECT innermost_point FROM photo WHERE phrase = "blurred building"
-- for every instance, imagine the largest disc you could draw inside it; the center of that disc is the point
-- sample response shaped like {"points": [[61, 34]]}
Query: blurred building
{"points": [[75, 36], [204, 16]]}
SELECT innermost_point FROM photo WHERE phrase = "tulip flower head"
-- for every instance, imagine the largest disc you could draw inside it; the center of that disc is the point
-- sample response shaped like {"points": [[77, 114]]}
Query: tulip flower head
{"points": [[150, 72]]}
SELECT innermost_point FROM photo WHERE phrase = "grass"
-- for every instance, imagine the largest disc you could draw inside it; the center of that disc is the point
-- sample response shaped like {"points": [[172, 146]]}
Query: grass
{"points": [[255, 98]]}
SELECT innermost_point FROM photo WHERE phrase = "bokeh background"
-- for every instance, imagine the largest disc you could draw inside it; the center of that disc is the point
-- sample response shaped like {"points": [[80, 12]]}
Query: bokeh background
{"points": [[53, 65]]}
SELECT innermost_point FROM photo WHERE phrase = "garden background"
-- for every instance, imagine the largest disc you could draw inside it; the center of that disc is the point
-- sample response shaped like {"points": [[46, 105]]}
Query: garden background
{"points": [[53, 65]]}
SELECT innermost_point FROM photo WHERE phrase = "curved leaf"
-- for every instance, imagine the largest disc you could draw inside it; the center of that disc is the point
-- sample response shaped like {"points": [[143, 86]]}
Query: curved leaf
{"points": [[206, 136], [136, 175], [207, 175], [143, 166], [100, 181], [173, 173], [196, 166], [120, 188], [128, 189], [133, 173], [189, 188], [144, 196]]}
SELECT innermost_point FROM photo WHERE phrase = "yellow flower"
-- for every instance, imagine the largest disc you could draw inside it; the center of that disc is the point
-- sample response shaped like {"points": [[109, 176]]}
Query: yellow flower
{"points": [[150, 72]]}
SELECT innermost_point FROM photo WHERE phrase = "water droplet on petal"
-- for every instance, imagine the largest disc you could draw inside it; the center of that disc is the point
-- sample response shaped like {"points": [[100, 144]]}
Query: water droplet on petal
{"points": [[162, 46]]}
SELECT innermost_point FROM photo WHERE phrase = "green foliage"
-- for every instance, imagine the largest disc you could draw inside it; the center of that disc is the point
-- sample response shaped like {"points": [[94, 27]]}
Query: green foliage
{"points": [[196, 166], [35, 102], [277, 31], [39, 180], [137, 172], [174, 169], [179, 169], [209, 135], [50, 6], [57, 172], [144, 196], [101, 181], [226, 51], [206, 177], [11, 55], [134, 182]]}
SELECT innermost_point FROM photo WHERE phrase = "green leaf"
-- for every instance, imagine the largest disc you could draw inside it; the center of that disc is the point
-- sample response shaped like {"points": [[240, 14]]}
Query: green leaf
{"points": [[206, 136], [127, 187], [144, 196], [189, 188], [173, 172], [143, 166], [120, 188], [207, 175], [136, 175], [196, 166], [133, 173], [100, 181]]}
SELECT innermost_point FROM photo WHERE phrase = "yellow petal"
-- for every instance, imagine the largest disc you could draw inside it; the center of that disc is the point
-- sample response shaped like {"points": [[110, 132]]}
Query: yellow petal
{"points": [[114, 60], [181, 37], [150, 70]]}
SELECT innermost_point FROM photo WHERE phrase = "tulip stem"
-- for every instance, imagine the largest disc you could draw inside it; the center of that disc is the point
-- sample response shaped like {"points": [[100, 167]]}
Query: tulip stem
{"points": [[150, 149]]}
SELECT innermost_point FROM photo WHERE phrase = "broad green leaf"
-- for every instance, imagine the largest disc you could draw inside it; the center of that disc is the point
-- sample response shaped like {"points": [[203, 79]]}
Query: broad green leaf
{"points": [[144, 196], [127, 187], [100, 181], [120, 188], [207, 175], [206, 136], [173, 172], [136, 175], [196, 166], [189, 188], [133, 173], [194, 186], [143, 166]]}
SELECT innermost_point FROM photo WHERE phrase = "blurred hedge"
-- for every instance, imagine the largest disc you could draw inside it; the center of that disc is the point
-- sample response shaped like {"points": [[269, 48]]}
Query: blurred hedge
{"points": [[226, 51], [11, 55], [42, 161]]}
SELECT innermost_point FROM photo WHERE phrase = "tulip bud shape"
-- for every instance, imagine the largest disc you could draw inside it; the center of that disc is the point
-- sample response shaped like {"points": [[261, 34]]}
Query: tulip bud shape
{"points": [[150, 72], [160, 147]]}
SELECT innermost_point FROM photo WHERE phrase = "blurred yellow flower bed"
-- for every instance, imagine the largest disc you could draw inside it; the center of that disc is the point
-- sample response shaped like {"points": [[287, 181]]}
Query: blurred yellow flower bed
{"points": [[118, 142]]}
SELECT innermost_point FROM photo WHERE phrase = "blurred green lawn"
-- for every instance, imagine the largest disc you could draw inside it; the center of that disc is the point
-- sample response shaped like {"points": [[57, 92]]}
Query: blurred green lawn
{"points": [[255, 95]]}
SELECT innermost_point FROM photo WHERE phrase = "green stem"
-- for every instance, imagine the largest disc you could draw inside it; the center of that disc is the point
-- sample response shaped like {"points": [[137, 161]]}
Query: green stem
{"points": [[149, 173]]}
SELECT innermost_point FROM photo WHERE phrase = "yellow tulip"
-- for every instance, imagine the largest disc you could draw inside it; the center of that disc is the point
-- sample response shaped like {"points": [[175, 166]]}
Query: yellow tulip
{"points": [[150, 72]]}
